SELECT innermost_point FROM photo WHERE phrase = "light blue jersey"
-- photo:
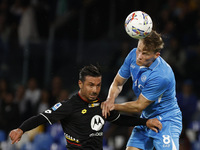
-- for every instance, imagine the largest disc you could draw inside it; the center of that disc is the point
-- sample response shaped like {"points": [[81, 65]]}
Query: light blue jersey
{"points": [[156, 83]]}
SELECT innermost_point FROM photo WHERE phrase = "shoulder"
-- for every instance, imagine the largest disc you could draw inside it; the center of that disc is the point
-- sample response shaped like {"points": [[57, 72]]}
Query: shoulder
{"points": [[65, 105], [132, 52], [159, 78], [161, 68], [130, 58], [71, 101], [158, 73]]}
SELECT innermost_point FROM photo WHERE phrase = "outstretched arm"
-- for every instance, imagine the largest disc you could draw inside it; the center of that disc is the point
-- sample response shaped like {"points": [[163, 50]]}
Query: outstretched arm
{"points": [[124, 120], [115, 89], [29, 124], [134, 106]]}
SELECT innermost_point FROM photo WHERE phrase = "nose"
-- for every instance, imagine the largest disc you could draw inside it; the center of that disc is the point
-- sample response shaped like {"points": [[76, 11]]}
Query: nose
{"points": [[95, 89], [140, 56]]}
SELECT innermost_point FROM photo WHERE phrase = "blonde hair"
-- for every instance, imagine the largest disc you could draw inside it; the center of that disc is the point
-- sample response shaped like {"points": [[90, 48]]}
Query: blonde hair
{"points": [[153, 42]]}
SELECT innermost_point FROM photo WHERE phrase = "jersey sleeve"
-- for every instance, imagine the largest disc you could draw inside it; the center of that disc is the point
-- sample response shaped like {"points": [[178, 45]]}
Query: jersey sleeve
{"points": [[58, 112], [124, 70], [114, 115], [124, 120], [32, 123], [155, 87]]}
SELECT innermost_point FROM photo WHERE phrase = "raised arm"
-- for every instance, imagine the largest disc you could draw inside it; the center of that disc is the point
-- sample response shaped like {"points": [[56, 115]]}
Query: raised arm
{"points": [[115, 89]]}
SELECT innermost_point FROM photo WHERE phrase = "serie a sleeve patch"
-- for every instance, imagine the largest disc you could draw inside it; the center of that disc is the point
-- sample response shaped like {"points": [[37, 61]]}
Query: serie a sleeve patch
{"points": [[56, 106]]}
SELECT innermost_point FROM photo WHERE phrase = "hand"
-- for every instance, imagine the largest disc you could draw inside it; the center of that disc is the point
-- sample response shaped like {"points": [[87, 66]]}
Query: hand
{"points": [[106, 107], [15, 135], [154, 124]]}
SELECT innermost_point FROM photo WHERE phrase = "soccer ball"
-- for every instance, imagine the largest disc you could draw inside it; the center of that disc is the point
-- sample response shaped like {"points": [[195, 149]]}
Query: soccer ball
{"points": [[138, 24]]}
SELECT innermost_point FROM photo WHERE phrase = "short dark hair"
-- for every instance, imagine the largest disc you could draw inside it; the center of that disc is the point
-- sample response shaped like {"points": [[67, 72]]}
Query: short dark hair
{"points": [[153, 42], [90, 70]]}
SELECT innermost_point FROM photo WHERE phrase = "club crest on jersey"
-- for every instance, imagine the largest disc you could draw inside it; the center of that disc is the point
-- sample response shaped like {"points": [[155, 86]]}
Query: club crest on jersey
{"points": [[143, 78], [97, 123], [56, 106]]}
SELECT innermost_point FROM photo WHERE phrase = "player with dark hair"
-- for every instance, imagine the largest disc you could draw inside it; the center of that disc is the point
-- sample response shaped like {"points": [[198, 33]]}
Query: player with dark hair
{"points": [[154, 85], [81, 115]]}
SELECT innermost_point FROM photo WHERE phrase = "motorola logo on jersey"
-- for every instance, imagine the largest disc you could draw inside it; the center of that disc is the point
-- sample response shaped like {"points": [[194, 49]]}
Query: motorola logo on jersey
{"points": [[97, 123]]}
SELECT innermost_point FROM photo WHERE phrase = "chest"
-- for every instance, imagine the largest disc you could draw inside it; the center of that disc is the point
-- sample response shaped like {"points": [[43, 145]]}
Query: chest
{"points": [[86, 112], [87, 117], [139, 76]]}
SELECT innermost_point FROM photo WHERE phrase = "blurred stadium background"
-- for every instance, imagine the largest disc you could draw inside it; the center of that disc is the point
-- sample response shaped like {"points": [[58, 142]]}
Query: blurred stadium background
{"points": [[44, 43]]}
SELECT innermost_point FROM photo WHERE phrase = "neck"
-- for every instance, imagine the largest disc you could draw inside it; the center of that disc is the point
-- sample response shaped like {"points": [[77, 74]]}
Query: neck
{"points": [[80, 95], [86, 100]]}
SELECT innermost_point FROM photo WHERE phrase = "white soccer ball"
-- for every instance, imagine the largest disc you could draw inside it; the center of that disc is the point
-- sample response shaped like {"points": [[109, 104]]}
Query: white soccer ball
{"points": [[138, 24]]}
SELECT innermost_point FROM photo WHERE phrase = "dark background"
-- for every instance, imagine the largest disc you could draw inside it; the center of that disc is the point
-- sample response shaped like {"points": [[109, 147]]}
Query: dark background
{"points": [[65, 35]]}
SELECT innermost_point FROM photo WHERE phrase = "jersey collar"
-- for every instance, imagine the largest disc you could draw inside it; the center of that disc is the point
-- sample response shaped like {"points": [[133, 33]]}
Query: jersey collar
{"points": [[87, 100], [155, 63]]}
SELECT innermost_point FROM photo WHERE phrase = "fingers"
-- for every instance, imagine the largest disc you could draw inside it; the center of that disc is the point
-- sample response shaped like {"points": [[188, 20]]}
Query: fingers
{"points": [[14, 141], [15, 135], [154, 129], [105, 109], [154, 124], [112, 107], [105, 112], [158, 124]]}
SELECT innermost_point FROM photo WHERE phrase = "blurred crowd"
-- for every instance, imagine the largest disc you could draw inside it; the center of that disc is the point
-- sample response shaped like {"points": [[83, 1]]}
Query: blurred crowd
{"points": [[91, 31], [27, 101]]}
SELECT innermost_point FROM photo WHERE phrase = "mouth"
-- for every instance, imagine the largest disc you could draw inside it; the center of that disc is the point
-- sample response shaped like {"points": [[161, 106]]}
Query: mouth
{"points": [[93, 96], [139, 62]]}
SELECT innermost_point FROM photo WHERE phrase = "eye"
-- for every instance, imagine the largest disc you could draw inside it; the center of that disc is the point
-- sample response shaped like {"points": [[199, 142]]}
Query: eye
{"points": [[98, 85], [146, 53]]}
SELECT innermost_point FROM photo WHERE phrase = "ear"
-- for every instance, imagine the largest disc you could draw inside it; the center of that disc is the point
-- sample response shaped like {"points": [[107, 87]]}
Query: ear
{"points": [[157, 54], [80, 84]]}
